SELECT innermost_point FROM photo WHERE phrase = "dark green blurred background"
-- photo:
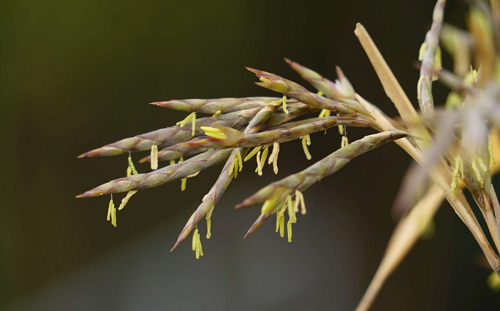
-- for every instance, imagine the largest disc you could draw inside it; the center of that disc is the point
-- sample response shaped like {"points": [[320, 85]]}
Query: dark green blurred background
{"points": [[75, 75]]}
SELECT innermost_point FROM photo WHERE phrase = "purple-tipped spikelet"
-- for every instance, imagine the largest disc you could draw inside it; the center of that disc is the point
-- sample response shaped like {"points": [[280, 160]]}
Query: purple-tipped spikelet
{"points": [[455, 148]]}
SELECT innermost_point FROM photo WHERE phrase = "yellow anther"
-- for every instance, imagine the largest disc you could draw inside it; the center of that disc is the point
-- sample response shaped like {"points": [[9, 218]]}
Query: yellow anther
{"points": [[283, 100], [193, 123], [345, 141], [476, 171], [264, 80], [282, 226], [214, 132], [217, 114], [268, 205], [306, 141], [277, 221], [421, 52], [126, 199], [237, 164], [325, 113], [172, 162], [184, 180], [252, 153], [289, 230], [191, 117], [320, 93], [154, 157], [209, 228], [291, 209], [261, 160], [195, 239], [110, 208], [341, 129], [491, 153], [112, 212], [299, 200], [113, 216], [131, 167], [199, 249], [274, 157]]}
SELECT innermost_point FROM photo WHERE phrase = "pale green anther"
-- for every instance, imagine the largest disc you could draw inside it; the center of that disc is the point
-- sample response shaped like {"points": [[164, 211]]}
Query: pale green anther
{"points": [[481, 163], [265, 80], [129, 171], [341, 129], [252, 153], [217, 114], [490, 151]]}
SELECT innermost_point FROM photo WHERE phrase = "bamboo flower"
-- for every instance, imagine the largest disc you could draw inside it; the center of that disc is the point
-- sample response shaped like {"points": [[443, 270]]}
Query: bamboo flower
{"points": [[275, 194]]}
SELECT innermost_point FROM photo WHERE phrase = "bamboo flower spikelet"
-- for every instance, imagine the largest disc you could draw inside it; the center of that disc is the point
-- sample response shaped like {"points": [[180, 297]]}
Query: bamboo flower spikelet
{"points": [[455, 145]]}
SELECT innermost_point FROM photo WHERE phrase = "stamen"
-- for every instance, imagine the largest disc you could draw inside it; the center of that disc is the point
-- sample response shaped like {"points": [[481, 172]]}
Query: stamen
{"points": [[126, 199], [184, 180], [454, 180], [282, 225], [289, 230], [172, 162], [214, 132], [252, 153], [291, 210], [345, 141], [154, 157], [217, 114], [274, 157], [237, 164], [264, 80], [261, 161], [131, 166], [341, 129], [110, 208], [277, 221], [283, 100], [299, 199], [209, 228], [476, 170], [268, 205], [421, 52], [195, 239], [191, 117], [324, 113], [306, 141]]}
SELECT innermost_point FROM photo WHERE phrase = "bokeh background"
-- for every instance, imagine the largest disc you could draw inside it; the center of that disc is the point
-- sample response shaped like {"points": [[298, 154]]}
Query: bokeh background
{"points": [[75, 75]]}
